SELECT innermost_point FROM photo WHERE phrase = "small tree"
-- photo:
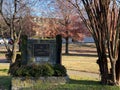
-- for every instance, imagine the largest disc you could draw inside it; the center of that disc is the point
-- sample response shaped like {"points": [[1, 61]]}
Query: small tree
{"points": [[65, 11], [68, 24], [12, 13]]}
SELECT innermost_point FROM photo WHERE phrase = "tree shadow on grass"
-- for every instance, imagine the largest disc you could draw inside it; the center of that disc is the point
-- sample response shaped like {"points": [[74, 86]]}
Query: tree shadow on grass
{"points": [[91, 85], [85, 55], [5, 83], [84, 82], [84, 51], [3, 52], [4, 70]]}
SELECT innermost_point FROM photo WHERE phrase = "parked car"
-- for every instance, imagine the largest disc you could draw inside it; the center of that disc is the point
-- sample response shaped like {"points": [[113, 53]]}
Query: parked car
{"points": [[3, 41], [10, 41]]}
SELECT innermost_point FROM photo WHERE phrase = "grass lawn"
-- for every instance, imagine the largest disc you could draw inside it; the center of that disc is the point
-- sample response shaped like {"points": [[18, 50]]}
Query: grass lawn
{"points": [[5, 79], [75, 83], [80, 63], [82, 58]]}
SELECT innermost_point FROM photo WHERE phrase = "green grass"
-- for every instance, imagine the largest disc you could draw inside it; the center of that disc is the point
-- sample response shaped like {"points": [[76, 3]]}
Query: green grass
{"points": [[79, 84], [73, 61], [5, 79], [73, 86], [4, 69], [75, 83], [5, 82]]}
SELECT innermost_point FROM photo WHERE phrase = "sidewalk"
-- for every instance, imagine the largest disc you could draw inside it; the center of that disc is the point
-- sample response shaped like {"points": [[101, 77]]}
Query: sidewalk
{"points": [[3, 59], [83, 74]]}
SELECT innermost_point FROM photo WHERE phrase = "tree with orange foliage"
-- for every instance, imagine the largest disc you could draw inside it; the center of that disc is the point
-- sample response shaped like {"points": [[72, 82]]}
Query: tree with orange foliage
{"points": [[70, 25], [28, 26]]}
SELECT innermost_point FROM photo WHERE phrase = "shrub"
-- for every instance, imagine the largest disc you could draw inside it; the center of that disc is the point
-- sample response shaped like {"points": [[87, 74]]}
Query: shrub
{"points": [[59, 70], [19, 71], [23, 71], [47, 70], [33, 70], [37, 70]]}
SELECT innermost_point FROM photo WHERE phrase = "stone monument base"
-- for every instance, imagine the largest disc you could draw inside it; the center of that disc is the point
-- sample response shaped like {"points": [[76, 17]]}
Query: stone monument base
{"points": [[19, 83]]}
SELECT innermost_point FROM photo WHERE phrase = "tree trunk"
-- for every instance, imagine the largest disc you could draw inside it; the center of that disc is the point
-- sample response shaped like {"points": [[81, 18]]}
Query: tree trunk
{"points": [[118, 69], [113, 73], [66, 45], [102, 62], [103, 68], [14, 52]]}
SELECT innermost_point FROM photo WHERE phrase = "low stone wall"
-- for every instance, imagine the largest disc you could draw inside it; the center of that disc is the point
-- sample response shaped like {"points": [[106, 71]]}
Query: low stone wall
{"points": [[18, 83]]}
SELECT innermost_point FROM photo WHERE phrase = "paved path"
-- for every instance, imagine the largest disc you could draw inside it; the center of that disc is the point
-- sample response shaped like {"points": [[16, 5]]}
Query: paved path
{"points": [[83, 74], [3, 59]]}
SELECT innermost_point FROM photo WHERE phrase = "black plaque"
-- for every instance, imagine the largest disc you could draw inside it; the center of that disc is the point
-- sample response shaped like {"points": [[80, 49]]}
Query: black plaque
{"points": [[41, 50]]}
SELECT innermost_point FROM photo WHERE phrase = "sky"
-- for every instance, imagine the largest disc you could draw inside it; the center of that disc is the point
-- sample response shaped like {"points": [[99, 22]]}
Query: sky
{"points": [[43, 8]]}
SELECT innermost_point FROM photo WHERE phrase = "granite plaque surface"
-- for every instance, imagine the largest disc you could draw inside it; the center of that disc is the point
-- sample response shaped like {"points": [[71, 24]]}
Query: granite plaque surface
{"points": [[41, 50]]}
